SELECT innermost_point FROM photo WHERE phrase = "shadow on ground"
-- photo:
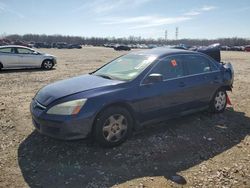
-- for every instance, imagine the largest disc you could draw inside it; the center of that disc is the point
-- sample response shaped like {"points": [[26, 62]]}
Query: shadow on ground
{"points": [[160, 150], [4, 71]]}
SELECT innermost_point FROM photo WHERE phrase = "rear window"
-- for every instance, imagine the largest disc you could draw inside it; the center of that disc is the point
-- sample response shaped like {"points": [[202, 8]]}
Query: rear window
{"points": [[197, 65], [6, 50]]}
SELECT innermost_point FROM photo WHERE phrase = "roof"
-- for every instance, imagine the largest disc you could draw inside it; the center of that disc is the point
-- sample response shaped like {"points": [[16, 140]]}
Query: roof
{"points": [[12, 46], [163, 51]]}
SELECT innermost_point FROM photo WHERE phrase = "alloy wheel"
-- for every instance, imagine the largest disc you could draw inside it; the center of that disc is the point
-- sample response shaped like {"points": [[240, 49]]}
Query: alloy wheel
{"points": [[115, 128], [220, 100], [47, 64]]}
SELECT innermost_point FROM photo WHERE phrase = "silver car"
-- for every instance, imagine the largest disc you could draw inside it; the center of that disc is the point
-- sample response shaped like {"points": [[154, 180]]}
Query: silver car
{"points": [[13, 56]]}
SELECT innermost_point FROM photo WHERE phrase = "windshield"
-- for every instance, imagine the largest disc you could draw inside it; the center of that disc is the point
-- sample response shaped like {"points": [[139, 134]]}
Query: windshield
{"points": [[126, 67]]}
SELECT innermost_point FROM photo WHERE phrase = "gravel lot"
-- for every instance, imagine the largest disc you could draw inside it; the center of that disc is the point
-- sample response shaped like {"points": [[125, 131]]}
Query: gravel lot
{"points": [[199, 150]]}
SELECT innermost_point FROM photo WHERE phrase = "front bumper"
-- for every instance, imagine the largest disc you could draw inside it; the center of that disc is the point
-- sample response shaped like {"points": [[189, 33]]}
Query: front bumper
{"points": [[60, 127], [54, 61]]}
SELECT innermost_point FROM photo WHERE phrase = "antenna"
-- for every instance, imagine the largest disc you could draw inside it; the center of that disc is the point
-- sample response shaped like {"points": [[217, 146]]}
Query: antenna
{"points": [[176, 33]]}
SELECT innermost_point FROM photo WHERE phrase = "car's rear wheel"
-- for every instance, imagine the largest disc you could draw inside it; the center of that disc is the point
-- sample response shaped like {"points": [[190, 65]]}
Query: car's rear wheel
{"points": [[113, 126], [1, 66], [47, 64], [219, 101]]}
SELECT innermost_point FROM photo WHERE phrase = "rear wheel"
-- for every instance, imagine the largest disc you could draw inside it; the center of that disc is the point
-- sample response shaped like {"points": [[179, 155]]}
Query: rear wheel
{"points": [[1, 66], [47, 64], [219, 101], [113, 126]]}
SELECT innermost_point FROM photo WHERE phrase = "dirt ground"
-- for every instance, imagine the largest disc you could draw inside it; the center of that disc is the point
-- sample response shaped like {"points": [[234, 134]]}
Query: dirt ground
{"points": [[199, 150]]}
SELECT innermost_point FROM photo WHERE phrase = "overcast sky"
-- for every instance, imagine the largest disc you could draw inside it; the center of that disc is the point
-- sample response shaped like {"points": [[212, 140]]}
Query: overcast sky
{"points": [[122, 18]]}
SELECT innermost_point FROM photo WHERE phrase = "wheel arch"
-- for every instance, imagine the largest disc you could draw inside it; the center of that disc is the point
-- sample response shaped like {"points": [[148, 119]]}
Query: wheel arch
{"points": [[117, 104], [47, 59], [226, 88]]}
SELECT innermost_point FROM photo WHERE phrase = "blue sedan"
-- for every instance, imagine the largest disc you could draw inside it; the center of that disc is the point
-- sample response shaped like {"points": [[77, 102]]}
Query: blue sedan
{"points": [[131, 91]]}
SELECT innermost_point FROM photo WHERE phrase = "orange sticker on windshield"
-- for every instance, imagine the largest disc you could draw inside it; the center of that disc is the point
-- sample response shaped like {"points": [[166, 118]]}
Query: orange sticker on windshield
{"points": [[174, 63]]}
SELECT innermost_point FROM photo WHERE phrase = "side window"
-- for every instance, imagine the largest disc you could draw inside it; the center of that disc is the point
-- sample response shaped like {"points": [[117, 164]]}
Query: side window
{"points": [[6, 50], [24, 51], [197, 64], [170, 67], [214, 65]]}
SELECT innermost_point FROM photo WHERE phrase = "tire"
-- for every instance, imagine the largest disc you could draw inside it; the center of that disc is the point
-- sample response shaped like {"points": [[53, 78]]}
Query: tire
{"points": [[219, 101], [47, 64], [113, 126], [1, 66]]}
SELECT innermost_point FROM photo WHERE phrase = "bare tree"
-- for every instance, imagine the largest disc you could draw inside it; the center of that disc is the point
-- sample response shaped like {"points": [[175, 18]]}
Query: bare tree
{"points": [[98, 41]]}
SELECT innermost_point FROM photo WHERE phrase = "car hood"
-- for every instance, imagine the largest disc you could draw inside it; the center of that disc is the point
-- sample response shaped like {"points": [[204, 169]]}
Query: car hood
{"points": [[71, 86]]}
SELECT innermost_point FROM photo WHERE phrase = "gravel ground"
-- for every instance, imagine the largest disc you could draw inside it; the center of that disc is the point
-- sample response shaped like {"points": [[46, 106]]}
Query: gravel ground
{"points": [[199, 150]]}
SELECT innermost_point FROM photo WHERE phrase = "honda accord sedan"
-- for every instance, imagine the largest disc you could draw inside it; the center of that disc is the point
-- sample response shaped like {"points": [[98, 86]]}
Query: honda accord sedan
{"points": [[13, 56], [136, 89]]}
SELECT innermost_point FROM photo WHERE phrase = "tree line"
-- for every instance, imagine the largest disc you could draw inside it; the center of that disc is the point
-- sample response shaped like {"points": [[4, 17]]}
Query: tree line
{"points": [[98, 41]]}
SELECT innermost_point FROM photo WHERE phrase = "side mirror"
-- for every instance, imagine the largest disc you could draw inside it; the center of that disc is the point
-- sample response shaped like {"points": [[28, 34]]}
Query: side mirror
{"points": [[153, 78]]}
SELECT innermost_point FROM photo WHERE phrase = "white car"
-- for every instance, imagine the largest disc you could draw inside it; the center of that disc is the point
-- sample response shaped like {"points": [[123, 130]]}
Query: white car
{"points": [[13, 56]]}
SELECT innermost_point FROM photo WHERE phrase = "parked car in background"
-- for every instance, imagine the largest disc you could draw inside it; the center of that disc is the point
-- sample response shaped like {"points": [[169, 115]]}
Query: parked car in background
{"points": [[61, 45], [225, 48], [4, 42], [41, 45], [13, 56], [76, 46], [122, 47], [20, 43], [151, 46], [247, 48], [237, 48], [136, 89]]}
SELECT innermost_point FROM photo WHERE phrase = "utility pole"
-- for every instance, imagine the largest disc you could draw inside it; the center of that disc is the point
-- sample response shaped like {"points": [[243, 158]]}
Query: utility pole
{"points": [[176, 33], [166, 35]]}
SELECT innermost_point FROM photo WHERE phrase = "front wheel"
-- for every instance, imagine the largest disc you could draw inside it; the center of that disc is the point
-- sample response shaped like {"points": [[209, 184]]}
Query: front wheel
{"points": [[113, 127], [219, 101], [47, 64]]}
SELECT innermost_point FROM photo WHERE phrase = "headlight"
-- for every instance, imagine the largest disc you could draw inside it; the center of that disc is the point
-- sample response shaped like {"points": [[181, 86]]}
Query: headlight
{"points": [[67, 108]]}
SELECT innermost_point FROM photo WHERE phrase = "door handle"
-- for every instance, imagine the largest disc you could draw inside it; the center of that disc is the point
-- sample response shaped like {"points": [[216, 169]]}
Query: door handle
{"points": [[181, 84]]}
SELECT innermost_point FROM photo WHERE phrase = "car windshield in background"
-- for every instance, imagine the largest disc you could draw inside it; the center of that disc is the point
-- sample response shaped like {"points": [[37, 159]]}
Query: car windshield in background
{"points": [[126, 67]]}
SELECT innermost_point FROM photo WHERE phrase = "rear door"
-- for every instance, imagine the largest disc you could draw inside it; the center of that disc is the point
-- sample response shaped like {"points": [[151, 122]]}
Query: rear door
{"points": [[8, 57], [202, 78]]}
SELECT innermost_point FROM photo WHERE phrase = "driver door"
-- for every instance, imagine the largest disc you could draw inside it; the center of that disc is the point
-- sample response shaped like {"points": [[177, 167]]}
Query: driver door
{"points": [[27, 58], [167, 97]]}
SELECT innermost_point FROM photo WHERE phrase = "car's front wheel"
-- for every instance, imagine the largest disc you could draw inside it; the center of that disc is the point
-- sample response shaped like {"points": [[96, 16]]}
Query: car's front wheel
{"points": [[47, 64], [219, 101], [113, 126]]}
